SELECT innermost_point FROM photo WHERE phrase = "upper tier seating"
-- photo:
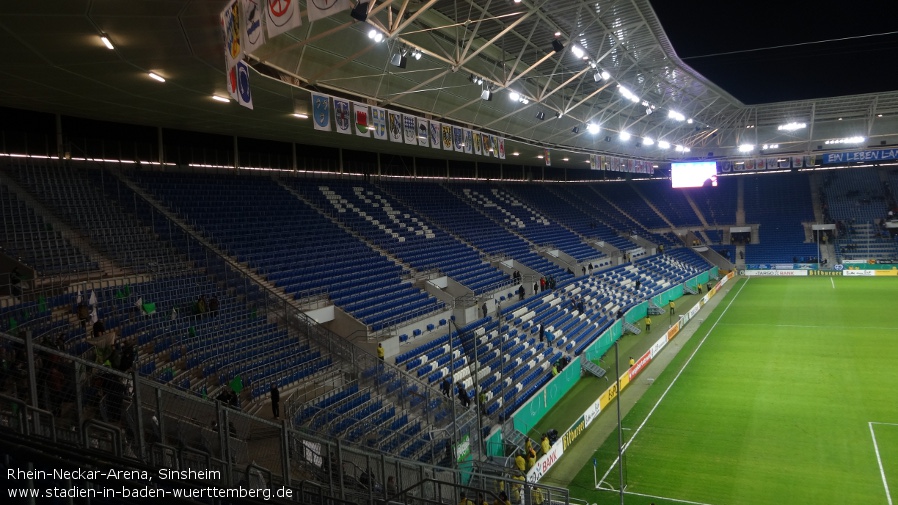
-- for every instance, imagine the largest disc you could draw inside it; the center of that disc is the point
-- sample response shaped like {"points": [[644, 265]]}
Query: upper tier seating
{"points": [[27, 236], [392, 226], [779, 205], [452, 213], [504, 207], [293, 245]]}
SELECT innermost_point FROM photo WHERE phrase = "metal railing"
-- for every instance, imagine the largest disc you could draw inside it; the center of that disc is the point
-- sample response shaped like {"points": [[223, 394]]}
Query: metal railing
{"points": [[127, 420]]}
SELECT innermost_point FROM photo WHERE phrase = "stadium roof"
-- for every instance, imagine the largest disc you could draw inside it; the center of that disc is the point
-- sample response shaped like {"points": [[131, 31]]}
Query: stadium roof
{"points": [[56, 62]]}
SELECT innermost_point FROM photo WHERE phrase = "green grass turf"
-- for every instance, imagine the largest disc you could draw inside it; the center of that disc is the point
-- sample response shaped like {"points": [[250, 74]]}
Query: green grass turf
{"points": [[774, 406]]}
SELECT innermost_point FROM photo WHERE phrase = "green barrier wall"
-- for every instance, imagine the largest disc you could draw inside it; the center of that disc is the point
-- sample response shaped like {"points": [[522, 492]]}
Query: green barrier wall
{"points": [[601, 345], [671, 294], [532, 411], [494, 444], [637, 313]]}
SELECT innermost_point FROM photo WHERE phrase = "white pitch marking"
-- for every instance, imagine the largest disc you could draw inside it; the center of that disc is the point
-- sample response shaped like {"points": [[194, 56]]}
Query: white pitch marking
{"points": [[882, 471], [666, 498], [833, 282]]}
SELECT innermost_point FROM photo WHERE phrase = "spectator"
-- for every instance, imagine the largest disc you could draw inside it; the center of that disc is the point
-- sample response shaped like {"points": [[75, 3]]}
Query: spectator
{"points": [[521, 292], [502, 499], [632, 361], [544, 444], [673, 307], [391, 486], [553, 436], [201, 305], [83, 314], [463, 500], [542, 332], [275, 401], [463, 396], [446, 386], [483, 309], [481, 500], [98, 329], [528, 448], [213, 305], [519, 462], [661, 249], [638, 284], [648, 324], [554, 369], [15, 279], [380, 351], [535, 288]]}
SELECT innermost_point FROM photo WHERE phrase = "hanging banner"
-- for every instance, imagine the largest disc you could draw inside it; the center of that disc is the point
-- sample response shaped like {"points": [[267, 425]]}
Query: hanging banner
{"points": [[476, 140], [342, 116], [447, 137], [501, 148], [282, 16], [321, 112], [485, 141], [244, 94], [458, 139], [253, 34], [434, 134], [423, 133], [855, 156], [410, 129], [318, 9], [547, 158], [232, 79], [362, 127], [469, 141], [379, 123], [395, 126], [230, 30]]}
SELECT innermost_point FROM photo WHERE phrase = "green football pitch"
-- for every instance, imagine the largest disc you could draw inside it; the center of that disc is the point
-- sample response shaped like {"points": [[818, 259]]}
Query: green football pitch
{"points": [[786, 394]]}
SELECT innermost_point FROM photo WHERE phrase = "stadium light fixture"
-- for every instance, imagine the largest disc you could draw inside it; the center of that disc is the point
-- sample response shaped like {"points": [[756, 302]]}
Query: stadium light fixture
{"points": [[663, 144], [106, 41], [746, 148], [221, 99], [157, 77], [648, 141], [375, 35], [677, 116], [577, 51], [791, 127], [625, 136], [593, 128]]}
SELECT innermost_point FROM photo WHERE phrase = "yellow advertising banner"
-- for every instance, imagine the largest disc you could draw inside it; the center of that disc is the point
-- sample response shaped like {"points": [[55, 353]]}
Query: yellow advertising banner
{"points": [[608, 396], [886, 273]]}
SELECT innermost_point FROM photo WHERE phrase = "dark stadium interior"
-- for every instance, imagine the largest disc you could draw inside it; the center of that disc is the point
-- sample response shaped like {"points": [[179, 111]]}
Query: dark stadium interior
{"points": [[261, 305]]}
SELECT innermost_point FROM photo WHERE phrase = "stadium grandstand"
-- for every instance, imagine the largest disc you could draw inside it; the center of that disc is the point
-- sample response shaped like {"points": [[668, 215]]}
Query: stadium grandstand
{"points": [[310, 252]]}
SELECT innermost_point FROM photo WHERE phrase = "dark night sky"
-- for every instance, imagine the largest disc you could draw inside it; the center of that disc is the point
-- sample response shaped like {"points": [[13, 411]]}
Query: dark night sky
{"points": [[700, 28]]}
